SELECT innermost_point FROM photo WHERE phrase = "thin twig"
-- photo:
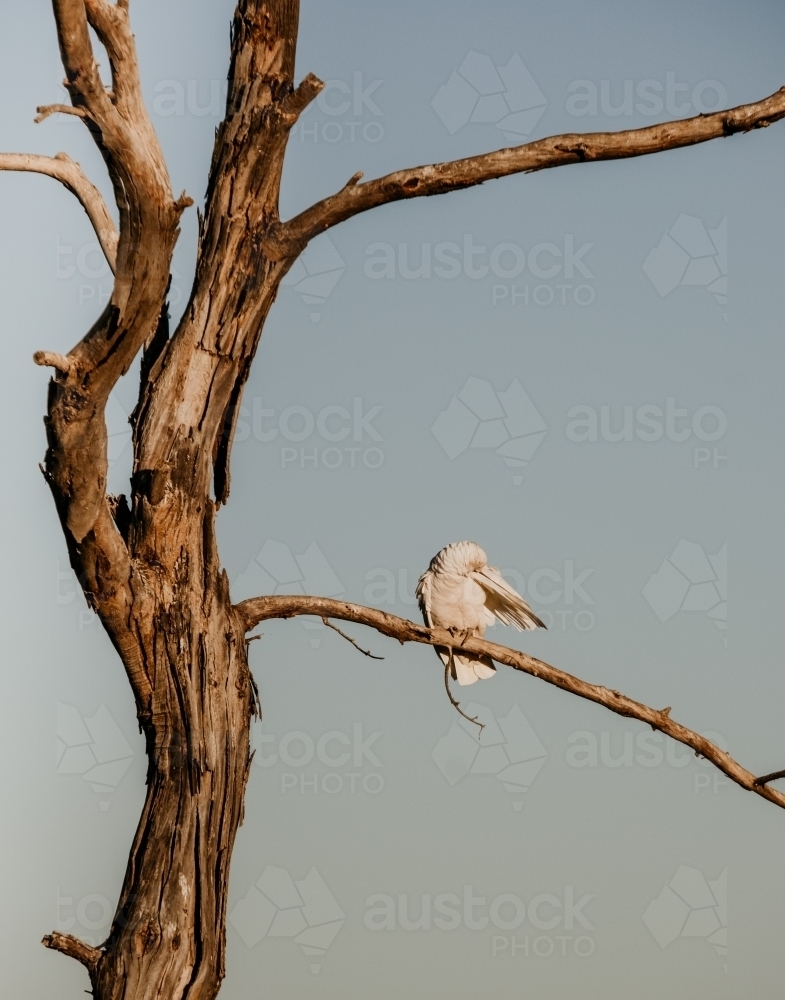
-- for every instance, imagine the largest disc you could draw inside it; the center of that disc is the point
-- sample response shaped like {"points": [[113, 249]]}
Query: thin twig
{"points": [[769, 777], [44, 110], [456, 704], [365, 652]]}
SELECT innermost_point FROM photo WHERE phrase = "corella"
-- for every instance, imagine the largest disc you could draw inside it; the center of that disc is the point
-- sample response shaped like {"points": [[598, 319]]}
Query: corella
{"points": [[459, 591]]}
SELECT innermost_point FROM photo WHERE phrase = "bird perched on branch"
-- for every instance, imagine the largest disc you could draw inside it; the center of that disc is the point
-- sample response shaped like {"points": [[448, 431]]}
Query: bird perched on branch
{"points": [[459, 591]]}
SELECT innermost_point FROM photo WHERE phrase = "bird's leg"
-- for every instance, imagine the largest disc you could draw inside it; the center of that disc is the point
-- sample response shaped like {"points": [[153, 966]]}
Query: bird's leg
{"points": [[462, 633], [456, 705]]}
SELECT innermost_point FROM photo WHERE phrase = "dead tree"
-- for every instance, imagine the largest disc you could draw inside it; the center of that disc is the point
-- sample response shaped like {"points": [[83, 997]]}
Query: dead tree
{"points": [[148, 564]]}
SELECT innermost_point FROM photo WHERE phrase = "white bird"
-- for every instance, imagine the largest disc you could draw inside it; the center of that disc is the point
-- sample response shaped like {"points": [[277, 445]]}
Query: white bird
{"points": [[461, 592]]}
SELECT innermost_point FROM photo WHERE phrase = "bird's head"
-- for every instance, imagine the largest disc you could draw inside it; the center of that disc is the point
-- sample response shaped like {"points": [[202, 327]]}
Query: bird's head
{"points": [[459, 557]]}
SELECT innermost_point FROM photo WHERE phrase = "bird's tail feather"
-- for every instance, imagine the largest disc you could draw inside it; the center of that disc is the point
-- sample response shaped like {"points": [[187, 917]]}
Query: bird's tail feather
{"points": [[468, 669]]}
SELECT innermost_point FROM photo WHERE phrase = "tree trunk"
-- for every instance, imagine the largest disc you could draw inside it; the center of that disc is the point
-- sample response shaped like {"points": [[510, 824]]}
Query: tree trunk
{"points": [[168, 939]]}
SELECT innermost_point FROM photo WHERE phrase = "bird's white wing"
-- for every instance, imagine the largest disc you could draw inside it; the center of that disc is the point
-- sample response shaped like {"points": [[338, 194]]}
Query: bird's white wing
{"points": [[423, 595], [504, 602]]}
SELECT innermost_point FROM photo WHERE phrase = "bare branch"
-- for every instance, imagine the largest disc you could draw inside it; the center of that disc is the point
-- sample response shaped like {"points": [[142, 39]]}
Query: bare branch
{"points": [[76, 461], [119, 124], [73, 948], [258, 609], [82, 78], [44, 110], [110, 22], [62, 168], [555, 151], [50, 359], [299, 99], [348, 638]]}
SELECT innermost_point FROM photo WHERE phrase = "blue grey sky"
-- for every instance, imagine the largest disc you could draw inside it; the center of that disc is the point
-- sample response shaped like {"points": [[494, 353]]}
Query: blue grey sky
{"points": [[580, 370]]}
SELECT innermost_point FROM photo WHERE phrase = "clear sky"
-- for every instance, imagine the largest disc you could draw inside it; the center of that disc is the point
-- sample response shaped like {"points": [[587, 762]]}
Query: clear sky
{"points": [[581, 370]]}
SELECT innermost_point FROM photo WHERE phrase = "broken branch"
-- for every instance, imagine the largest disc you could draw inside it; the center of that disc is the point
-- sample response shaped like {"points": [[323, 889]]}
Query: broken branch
{"points": [[73, 948]]}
